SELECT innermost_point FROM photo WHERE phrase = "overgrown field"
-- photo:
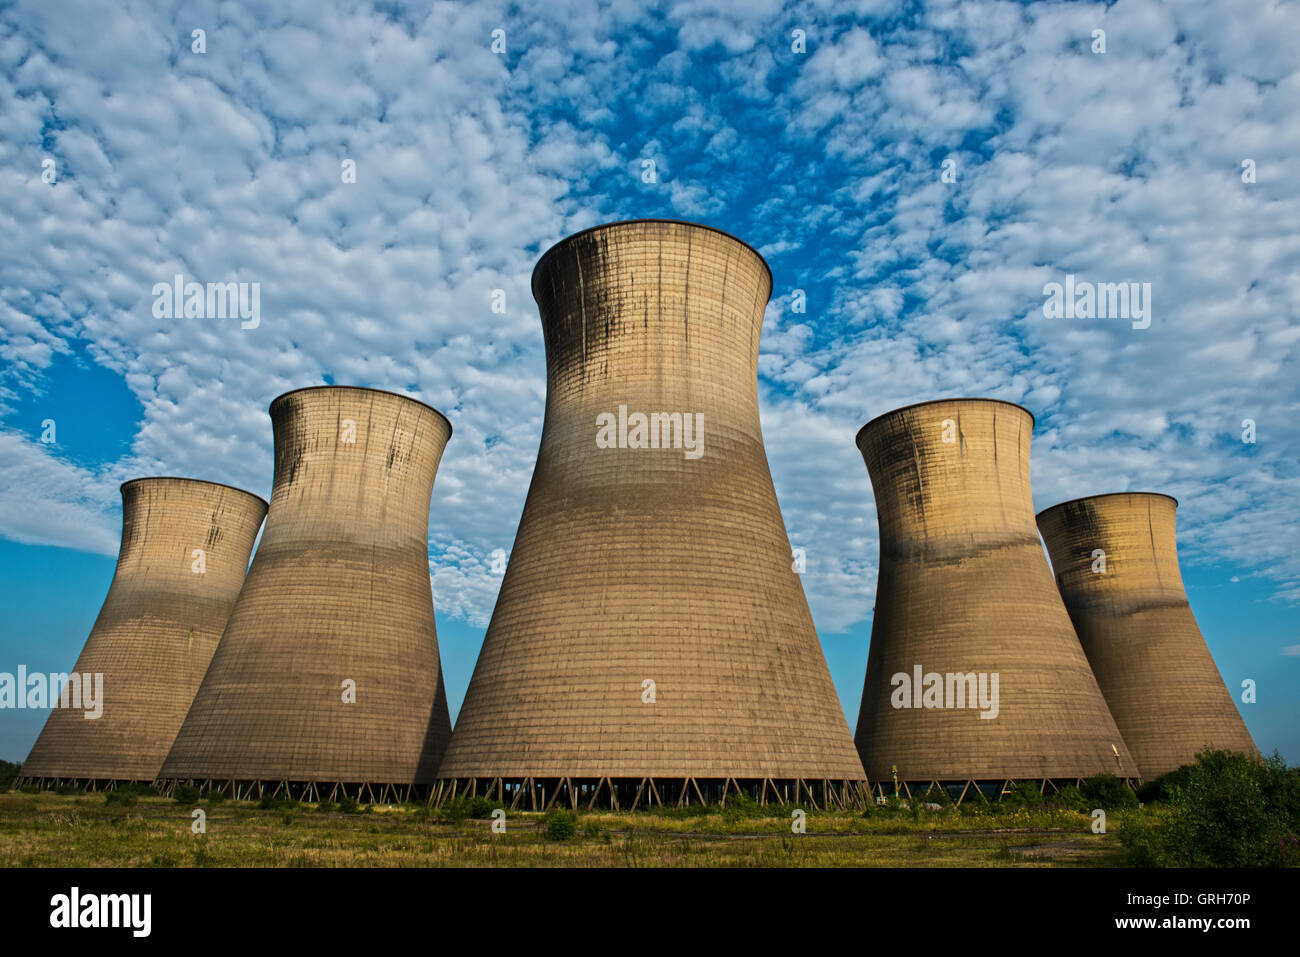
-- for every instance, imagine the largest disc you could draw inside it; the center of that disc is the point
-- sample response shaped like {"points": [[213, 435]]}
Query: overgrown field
{"points": [[1225, 810], [89, 830]]}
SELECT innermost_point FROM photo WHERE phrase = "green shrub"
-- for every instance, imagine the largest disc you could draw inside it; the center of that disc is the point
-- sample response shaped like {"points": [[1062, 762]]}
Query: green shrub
{"points": [[68, 789], [215, 796], [560, 825], [8, 774], [481, 808], [1162, 788], [1070, 798], [185, 794], [1024, 794], [1280, 787], [893, 805], [1232, 810], [120, 798], [741, 806], [326, 806], [349, 804], [457, 809], [1109, 792], [744, 802]]}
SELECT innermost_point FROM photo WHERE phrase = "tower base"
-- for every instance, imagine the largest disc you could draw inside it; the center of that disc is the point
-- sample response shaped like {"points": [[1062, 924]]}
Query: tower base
{"points": [[624, 793]]}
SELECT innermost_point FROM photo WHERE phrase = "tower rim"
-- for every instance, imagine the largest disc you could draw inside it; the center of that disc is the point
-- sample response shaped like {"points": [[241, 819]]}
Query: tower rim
{"points": [[1086, 498], [360, 388], [554, 247], [185, 478], [857, 439]]}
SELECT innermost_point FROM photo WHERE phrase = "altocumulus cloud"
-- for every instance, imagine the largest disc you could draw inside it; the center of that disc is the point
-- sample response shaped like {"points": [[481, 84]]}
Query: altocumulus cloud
{"points": [[224, 166]]}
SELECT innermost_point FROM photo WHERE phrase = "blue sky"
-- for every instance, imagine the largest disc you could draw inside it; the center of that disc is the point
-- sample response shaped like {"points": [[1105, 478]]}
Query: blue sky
{"points": [[1122, 166]]}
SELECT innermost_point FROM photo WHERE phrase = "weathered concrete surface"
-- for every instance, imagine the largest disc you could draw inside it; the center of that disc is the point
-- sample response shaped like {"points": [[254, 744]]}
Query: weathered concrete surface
{"points": [[184, 553], [1138, 630], [965, 588], [338, 591], [641, 564]]}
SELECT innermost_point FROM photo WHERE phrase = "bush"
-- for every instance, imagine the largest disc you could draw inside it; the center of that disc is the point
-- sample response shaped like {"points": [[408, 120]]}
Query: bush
{"points": [[8, 774], [122, 798], [215, 796], [892, 805], [457, 809], [560, 825], [1233, 810], [138, 789], [740, 806], [68, 789], [1280, 787], [185, 794], [1024, 794], [1109, 792], [1162, 788], [326, 806], [349, 805], [1071, 798], [481, 808]]}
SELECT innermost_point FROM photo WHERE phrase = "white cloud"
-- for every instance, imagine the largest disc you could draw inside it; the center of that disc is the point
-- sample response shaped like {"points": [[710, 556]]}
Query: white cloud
{"points": [[225, 166]]}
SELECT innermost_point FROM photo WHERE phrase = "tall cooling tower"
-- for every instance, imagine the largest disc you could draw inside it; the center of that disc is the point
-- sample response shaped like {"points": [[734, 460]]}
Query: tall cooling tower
{"points": [[328, 677], [965, 595], [185, 548], [651, 641], [1116, 564]]}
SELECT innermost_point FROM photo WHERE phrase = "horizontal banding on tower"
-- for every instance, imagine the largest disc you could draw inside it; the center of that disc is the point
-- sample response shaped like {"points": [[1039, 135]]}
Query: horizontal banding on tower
{"points": [[338, 595], [964, 589], [1115, 558], [183, 556], [650, 625]]}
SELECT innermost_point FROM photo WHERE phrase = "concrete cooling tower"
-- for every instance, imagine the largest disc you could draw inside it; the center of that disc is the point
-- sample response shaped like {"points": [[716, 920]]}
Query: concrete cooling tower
{"points": [[974, 672], [1116, 565], [327, 679], [185, 548], [651, 642]]}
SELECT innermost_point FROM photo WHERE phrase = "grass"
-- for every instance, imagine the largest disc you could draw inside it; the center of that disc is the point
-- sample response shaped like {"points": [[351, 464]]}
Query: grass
{"points": [[85, 830]]}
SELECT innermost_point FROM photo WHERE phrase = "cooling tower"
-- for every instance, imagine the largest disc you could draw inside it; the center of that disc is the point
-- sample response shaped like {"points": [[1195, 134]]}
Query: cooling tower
{"points": [[328, 674], [1116, 564], [185, 548], [965, 598], [651, 640]]}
